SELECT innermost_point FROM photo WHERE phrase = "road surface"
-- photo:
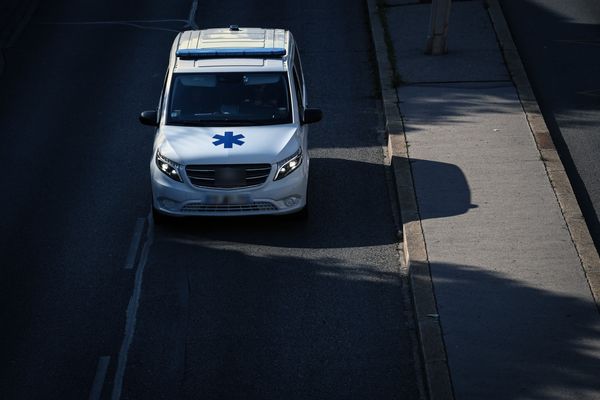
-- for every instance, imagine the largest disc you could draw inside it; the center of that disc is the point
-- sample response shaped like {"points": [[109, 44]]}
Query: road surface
{"points": [[255, 308]]}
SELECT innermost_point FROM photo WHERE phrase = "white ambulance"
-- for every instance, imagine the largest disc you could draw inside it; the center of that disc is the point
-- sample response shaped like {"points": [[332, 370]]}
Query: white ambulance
{"points": [[232, 125]]}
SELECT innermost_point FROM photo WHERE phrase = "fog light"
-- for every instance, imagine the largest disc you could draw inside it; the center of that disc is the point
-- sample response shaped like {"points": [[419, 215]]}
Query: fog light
{"points": [[168, 204], [291, 201]]}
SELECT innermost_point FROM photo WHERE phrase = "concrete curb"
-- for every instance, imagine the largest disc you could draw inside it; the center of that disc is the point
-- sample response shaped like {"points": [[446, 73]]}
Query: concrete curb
{"points": [[433, 350], [555, 170]]}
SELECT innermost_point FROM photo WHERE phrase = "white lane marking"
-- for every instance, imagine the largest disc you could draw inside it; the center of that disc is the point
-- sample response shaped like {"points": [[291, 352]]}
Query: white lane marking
{"points": [[191, 22], [135, 242], [592, 42], [593, 93], [99, 378], [127, 21], [132, 309], [131, 24]]}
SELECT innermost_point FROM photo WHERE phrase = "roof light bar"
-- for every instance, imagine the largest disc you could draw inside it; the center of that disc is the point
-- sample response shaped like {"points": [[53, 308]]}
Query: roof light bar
{"points": [[271, 52]]}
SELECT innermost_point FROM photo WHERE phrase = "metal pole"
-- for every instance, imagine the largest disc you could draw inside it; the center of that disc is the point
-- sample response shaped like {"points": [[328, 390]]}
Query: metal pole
{"points": [[438, 27]]}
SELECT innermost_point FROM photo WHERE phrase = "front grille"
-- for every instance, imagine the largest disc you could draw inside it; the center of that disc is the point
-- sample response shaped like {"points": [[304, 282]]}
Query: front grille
{"points": [[232, 208], [228, 176]]}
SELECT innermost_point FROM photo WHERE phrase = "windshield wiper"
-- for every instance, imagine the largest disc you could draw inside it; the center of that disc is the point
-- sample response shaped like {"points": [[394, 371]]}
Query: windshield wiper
{"points": [[226, 122], [187, 123], [238, 122]]}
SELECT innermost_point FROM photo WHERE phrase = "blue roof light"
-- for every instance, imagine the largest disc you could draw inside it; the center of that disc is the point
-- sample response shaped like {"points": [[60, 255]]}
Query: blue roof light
{"points": [[272, 52]]}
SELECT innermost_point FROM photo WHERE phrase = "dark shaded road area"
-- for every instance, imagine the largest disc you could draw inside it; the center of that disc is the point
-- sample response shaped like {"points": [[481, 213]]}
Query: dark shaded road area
{"points": [[559, 43], [265, 308]]}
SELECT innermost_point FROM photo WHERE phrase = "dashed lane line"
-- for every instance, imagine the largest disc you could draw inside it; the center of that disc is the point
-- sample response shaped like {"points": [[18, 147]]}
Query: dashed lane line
{"points": [[191, 22], [96, 390], [135, 242], [132, 309], [593, 93]]}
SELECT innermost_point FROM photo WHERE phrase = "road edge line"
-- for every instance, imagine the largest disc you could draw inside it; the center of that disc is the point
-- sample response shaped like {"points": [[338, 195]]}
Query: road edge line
{"points": [[131, 313], [432, 347], [136, 239], [555, 170], [99, 378]]}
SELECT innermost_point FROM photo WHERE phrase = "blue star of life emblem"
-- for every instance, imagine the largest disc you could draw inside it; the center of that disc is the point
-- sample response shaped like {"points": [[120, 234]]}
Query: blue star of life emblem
{"points": [[228, 140]]}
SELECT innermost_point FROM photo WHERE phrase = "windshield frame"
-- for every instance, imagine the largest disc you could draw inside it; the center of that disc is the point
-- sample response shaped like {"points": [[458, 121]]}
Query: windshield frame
{"points": [[226, 122]]}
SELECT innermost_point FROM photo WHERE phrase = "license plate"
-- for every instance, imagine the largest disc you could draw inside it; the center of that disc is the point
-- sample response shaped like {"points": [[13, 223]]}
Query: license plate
{"points": [[233, 199]]}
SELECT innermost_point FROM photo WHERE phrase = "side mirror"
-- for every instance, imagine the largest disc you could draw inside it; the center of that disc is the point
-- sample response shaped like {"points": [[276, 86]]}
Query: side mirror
{"points": [[149, 118], [311, 115]]}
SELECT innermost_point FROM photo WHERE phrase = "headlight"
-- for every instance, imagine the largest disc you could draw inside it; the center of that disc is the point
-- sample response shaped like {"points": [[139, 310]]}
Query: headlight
{"points": [[168, 167], [285, 167]]}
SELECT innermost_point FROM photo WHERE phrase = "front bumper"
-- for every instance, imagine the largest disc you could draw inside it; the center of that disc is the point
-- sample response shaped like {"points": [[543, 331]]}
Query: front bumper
{"points": [[181, 199]]}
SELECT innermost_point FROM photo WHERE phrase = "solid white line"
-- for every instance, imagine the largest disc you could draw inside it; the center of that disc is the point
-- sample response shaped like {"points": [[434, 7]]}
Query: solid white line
{"points": [[132, 309], [135, 242], [127, 21], [99, 378], [122, 23], [191, 22], [593, 93]]}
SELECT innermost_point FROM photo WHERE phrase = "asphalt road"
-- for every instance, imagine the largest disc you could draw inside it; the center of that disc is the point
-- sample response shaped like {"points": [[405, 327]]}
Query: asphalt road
{"points": [[559, 43], [255, 308]]}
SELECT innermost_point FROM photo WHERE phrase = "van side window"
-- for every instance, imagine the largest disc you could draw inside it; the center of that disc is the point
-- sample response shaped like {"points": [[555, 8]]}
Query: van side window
{"points": [[298, 89], [298, 67], [162, 95], [298, 80]]}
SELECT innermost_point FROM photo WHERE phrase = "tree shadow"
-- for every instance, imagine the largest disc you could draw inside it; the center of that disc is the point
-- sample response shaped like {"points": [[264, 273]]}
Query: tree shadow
{"points": [[228, 322], [512, 339], [455, 103], [218, 322]]}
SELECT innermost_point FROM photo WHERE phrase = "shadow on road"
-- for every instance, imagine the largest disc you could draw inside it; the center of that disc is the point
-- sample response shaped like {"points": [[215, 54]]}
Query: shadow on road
{"points": [[217, 322], [343, 211], [225, 322]]}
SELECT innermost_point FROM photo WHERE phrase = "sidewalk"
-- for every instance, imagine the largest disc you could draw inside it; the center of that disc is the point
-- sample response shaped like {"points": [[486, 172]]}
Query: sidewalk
{"points": [[516, 312]]}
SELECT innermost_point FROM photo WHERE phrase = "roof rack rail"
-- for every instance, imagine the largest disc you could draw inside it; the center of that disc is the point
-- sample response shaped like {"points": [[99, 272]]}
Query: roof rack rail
{"points": [[267, 52]]}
